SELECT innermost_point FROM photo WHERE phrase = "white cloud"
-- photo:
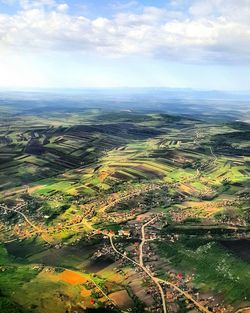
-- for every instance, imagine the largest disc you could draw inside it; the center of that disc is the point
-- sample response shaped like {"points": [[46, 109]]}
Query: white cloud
{"points": [[63, 7], [208, 31]]}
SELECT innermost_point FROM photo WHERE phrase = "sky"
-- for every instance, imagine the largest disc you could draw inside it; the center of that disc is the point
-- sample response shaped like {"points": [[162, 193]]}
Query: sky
{"points": [[199, 44]]}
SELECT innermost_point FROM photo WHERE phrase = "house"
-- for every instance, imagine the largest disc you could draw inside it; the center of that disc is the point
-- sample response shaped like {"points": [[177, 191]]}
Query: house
{"points": [[124, 232]]}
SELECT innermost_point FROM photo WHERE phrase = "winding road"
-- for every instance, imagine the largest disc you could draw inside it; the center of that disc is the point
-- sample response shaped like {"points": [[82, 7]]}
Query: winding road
{"points": [[143, 239], [39, 230], [141, 265], [243, 310], [143, 268], [156, 280]]}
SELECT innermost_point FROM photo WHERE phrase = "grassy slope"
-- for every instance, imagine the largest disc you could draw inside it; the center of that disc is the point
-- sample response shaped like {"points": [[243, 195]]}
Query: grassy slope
{"points": [[214, 268]]}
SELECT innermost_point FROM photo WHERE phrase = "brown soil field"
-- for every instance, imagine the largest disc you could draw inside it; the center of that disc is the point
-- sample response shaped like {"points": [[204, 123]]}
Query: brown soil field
{"points": [[122, 299], [149, 171], [34, 188], [121, 176]]}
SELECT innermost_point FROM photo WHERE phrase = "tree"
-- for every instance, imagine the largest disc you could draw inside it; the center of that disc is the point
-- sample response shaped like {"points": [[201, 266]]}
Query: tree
{"points": [[7, 306]]}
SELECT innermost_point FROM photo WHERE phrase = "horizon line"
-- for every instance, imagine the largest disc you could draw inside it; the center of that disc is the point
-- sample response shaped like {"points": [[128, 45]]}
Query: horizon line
{"points": [[34, 89]]}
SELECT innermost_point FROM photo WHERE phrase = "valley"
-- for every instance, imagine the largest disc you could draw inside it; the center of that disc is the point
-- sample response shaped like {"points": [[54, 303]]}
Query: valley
{"points": [[123, 209]]}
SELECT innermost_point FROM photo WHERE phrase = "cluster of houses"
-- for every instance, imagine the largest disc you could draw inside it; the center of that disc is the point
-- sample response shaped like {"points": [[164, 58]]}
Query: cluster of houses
{"points": [[151, 259]]}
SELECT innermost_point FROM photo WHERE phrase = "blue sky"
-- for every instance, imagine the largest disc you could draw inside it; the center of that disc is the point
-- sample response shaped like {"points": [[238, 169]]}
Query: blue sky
{"points": [[199, 44]]}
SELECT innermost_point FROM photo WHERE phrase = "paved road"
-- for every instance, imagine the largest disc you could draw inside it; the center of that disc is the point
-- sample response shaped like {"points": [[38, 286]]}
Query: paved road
{"points": [[156, 280], [143, 239], [186, 294], [243, 310], [39, 230]]}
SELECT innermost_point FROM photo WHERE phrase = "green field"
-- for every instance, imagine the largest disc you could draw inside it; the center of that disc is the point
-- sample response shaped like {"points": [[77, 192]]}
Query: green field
{"points": [[70, 177], [213, 267]]}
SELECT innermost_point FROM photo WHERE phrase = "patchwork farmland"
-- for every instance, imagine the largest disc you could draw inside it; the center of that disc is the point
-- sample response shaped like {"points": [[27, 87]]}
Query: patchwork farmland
{"points": [[117, 211]]}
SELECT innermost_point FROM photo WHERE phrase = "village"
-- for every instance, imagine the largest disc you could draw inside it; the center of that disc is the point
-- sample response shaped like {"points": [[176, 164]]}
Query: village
{"points": [[154, 264], [131, 244]]}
